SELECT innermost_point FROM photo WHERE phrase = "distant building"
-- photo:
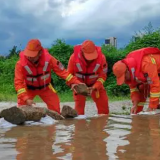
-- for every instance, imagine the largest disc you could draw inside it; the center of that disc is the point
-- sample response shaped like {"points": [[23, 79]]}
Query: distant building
{"points": [[111, 41]]}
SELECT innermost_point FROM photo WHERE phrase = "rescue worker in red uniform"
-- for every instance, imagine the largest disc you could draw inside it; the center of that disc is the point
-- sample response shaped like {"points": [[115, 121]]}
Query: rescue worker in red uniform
{"points": [[140, 71], [89, 65], [33, 76]]}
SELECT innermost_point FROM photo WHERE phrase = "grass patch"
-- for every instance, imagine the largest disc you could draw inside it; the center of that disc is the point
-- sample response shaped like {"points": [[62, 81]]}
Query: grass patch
{"points": [[118, 98], [64, 97], [120, 113], [8, 97]]}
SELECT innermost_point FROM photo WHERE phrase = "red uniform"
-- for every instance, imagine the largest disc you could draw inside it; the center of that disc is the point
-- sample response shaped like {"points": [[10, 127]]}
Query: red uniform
{"points": [[93, 75], [144, 66], [31, 80]]}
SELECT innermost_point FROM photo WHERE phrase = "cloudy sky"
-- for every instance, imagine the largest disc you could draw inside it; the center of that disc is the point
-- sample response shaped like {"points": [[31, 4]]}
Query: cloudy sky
{"points": [[73, 20]]}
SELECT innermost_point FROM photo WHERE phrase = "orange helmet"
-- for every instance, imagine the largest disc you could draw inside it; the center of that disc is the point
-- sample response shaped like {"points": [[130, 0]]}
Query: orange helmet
{"points": [[119, 70], [89, 50], [32, 48]]}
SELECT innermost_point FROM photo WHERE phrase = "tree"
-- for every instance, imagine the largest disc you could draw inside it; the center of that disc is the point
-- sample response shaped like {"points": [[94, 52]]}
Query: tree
{"points": [[13, 52], [147, 38]]}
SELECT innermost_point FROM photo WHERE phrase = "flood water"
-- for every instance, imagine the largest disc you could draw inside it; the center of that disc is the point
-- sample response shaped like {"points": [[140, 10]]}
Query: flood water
{"points": [[102, 138]]}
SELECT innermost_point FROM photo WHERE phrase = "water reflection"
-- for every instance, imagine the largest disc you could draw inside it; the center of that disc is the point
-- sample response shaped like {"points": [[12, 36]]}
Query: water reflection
{"points": [[117, 129], [144, 139], [88, 139], [62, 144], [81, 139], [33, 142], [104, 138]]}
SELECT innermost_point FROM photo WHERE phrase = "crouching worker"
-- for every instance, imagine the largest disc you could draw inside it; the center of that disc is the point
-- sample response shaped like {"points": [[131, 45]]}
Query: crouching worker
{"points": [[89, 65], [140, 70], [33, 76]]}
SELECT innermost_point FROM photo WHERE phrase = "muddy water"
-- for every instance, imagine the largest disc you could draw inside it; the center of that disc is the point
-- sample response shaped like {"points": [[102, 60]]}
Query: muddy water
{"points": [[103, 138]]}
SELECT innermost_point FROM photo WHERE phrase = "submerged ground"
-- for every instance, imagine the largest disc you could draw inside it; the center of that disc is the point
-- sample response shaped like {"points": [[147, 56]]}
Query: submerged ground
{"points": [[113, 137]]}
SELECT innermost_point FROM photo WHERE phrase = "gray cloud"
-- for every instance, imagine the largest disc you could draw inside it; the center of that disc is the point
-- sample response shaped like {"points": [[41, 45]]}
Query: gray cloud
{"points": [[73, 20]]}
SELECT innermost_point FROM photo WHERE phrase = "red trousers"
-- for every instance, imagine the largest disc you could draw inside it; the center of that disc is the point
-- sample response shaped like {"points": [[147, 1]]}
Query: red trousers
{"points": [[144, 92], [99, 97], [48, 95]]}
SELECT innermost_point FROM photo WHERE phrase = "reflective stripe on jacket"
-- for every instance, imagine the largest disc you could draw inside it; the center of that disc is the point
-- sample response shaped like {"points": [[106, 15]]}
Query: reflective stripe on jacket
{"points": [[23, 77], [134, 61], [36, 77], [89, 73], [144, 66]]}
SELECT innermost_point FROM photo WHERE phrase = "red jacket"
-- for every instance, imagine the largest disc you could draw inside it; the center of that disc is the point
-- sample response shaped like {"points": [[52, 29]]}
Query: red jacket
{"points": [[36, 77], [144, 66], [30, 76], [92, 74]]}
